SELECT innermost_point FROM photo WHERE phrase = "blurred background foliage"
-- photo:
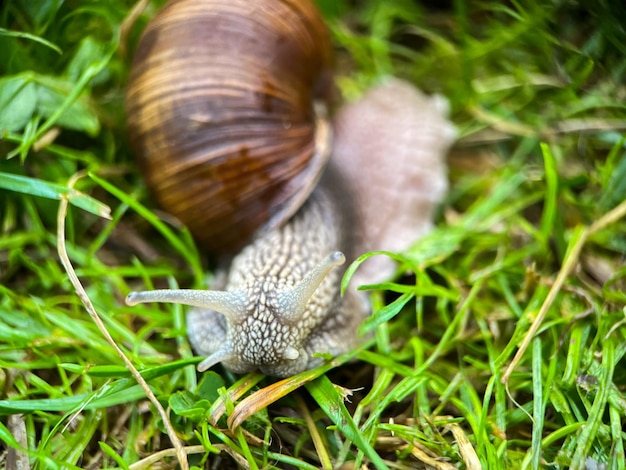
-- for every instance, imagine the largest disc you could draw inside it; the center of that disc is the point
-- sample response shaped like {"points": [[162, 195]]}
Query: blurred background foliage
{"points": [[537, 91]]}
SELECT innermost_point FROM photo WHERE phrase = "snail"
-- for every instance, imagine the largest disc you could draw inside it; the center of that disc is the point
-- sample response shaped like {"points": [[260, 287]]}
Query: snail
{"points": [[223, 95]]}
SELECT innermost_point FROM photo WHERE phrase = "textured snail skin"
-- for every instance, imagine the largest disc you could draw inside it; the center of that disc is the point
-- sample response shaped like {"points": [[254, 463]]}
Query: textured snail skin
{"points": [[281, 302], [267, 337]]}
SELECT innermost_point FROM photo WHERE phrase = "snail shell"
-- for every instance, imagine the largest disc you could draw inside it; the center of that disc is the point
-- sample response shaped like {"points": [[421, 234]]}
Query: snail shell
{"points": [[221, 113]]}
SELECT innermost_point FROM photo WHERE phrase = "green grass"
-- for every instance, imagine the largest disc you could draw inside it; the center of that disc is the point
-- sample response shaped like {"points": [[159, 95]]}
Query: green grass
{"points": [[505, 351]]}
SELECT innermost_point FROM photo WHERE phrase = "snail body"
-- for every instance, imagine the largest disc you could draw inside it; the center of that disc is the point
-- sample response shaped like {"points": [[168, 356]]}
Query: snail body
{"points": [[280, 302]]}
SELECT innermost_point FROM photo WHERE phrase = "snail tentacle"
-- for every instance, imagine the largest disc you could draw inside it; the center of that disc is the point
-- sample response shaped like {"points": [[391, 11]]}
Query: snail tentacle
{"points": [[221, 355], [292, 302], [230, 304]]}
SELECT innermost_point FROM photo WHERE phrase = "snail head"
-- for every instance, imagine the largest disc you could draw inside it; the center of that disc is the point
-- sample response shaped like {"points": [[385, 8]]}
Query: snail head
{"points": [[266, 327]]}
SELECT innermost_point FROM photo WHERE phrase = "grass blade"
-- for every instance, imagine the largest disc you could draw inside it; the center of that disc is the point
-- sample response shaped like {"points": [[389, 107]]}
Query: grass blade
{"points": [[40, 188], [329, 399]]}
